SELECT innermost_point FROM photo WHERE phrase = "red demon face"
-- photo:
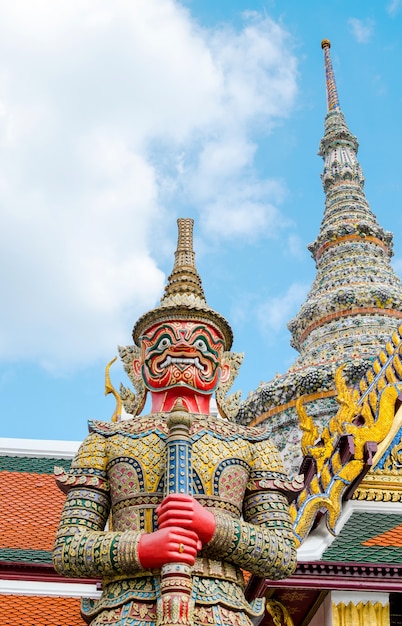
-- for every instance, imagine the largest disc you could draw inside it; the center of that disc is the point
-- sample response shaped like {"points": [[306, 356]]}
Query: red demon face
{"points": [[181, 353]]}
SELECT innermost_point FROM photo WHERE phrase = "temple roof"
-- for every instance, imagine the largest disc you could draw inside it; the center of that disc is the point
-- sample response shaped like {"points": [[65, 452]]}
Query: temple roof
{"points": [[368, 537], [354, 304], [41, 611], [31, 508], [31, 504]]}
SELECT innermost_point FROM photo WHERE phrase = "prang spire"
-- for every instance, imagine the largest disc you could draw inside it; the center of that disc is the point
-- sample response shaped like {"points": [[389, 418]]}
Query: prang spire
{"points": [[352, 254], [332, 92], [354, 304]]}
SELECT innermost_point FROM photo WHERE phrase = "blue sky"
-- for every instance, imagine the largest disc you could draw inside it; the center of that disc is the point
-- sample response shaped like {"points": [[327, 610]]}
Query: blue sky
{"points": [[115, 119]]}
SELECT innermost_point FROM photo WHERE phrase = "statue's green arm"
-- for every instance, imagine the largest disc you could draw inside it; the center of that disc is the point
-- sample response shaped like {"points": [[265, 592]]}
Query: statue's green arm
{"points": [[262, 543], [83, 547]]}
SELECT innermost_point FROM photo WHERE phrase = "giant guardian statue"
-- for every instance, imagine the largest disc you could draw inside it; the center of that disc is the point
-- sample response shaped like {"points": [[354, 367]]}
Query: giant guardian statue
{"points": [[171, 508]]}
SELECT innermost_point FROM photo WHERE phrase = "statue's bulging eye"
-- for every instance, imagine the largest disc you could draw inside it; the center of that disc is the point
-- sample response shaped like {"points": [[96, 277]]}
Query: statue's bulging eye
{"points": [[164, 343], [201, 345]]}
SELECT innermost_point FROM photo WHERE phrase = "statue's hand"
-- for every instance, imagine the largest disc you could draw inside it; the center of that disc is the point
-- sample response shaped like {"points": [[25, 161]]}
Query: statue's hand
{"points": [[167, 545], [184, 511]]}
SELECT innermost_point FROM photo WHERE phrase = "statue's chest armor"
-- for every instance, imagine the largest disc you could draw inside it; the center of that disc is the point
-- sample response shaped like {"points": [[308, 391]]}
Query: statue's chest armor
{"points": [[221, 468], [136, 471]]}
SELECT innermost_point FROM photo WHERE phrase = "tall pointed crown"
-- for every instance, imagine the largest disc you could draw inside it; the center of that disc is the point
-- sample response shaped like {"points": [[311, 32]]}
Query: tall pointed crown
{"points": [[184, 297]]}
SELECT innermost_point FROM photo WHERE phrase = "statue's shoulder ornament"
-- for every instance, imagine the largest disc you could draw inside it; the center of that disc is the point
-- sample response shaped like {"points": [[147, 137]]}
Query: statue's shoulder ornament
{"points": [[134, 427], [83, 478], [228, 431]]}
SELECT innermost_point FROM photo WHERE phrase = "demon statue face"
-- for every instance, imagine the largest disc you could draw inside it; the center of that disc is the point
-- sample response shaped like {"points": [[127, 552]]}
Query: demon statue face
{"points": [[183, 355]]}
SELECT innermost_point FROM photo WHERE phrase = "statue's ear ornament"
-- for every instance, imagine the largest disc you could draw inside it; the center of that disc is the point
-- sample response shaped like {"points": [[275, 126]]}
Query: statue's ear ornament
{"points": [[228, 406], [133, 402]]}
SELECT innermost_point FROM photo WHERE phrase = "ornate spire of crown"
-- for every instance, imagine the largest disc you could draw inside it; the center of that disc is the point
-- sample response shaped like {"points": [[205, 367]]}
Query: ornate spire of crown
{"points": [[184, 281], [184, 296]]}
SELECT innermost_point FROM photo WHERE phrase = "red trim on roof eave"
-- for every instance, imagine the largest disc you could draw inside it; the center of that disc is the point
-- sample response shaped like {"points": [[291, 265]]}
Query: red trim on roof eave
{"points": [[333, 576], [337, 583], [43, 572], [308, 575]]}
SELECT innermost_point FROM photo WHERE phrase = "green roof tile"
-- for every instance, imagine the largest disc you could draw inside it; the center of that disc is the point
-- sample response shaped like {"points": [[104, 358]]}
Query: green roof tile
{"points": [[361, 527], [25, 556], [33, 465]]}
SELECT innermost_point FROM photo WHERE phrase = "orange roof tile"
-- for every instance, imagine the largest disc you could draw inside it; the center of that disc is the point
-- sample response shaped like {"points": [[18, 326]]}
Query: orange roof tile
{"points": [[392, 537], [30, 509], [40, 610]]}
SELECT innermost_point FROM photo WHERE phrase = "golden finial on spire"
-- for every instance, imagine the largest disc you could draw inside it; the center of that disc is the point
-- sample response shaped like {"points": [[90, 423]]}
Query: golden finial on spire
{"points": [[332, 93]]}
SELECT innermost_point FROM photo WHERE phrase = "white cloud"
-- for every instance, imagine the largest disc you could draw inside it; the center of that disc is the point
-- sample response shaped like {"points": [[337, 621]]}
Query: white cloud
{"points": [[394, 7], [274, 314], [362, 30], [246, 209], [110, 114], [259, 87]]}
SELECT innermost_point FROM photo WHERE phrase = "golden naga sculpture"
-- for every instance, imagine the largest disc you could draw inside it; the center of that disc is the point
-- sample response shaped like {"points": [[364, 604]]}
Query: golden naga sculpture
{"points": [[343, 451], [195, 498], [279, 613]]}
